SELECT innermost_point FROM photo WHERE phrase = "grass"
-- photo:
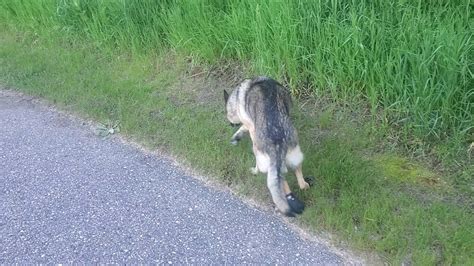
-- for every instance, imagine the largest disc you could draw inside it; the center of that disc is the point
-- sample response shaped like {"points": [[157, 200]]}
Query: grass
{"points": [[165, 101], [405, 65], [411, 60]]}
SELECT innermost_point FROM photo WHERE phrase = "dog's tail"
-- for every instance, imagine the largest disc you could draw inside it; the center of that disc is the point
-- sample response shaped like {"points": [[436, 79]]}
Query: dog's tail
{"points": [[275, 181]]}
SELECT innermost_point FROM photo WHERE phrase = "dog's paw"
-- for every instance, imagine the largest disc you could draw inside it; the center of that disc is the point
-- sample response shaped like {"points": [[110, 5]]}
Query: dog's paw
{"points": [[287, 213], [234, 140], [309, 180], [295, 204], [304, 185], [254, 170]]}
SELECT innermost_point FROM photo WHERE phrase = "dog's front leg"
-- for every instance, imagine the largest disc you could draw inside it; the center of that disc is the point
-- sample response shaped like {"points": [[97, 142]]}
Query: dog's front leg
{"points": [[238, 135], [254, 170]]}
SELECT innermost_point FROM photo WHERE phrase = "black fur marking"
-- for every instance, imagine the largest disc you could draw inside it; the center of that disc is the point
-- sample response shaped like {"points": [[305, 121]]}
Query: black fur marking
{"points": [[310, 180], [295, 204], [278, 126], [226, 97]]}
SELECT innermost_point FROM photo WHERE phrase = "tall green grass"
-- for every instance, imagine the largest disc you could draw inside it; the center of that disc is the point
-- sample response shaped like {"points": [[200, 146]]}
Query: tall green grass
{"points": [[411, 59]]}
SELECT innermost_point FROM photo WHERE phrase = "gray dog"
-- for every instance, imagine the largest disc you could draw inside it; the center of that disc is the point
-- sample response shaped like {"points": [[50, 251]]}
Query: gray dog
{"points": [[261, 107]]}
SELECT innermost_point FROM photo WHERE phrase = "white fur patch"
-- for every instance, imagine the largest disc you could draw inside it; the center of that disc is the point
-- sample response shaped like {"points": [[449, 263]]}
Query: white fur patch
{"points": [[294, 157], [263, 161]]}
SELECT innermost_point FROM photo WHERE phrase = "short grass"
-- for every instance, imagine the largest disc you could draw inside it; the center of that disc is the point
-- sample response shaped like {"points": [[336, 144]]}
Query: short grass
{"points": [[165, 101]]}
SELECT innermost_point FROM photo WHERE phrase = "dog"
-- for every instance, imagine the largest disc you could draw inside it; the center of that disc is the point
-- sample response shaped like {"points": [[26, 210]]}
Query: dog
{"points": [[261, 107]]}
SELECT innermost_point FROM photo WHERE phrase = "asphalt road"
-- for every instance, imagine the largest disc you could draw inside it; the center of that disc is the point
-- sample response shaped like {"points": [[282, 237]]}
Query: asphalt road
{"points": [[68, 196]]}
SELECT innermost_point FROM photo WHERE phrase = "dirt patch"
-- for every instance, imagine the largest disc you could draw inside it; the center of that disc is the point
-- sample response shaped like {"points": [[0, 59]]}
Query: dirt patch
{"points": [[204, 85], [10, 98]]}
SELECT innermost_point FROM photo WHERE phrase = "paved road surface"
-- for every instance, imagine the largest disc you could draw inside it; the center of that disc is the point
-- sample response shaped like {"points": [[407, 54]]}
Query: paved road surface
{"points": [[67, 195]]}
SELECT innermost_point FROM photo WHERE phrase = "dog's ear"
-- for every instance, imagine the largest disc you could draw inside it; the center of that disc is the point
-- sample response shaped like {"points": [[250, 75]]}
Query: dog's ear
{"points": [[226, 96]]}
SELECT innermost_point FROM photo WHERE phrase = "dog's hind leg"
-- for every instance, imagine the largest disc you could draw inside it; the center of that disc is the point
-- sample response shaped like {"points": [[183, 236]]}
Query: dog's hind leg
{"points": [[294, 159], [295, 204], [299, 177], [277, 190], [238, 135]]}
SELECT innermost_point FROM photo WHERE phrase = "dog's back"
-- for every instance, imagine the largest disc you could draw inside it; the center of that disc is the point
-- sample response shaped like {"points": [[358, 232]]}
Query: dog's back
{"points": [[268, 105]]}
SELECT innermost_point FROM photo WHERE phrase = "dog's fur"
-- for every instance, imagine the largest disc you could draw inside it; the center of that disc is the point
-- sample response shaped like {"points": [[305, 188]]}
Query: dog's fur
{"points": [[261, 107]]}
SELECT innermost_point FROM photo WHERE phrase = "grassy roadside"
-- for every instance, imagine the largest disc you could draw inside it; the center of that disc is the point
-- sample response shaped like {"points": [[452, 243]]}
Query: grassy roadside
{"points": [[380, 202]]}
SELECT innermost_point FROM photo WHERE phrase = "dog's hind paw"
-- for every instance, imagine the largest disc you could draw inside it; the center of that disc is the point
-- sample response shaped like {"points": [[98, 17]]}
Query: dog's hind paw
{"points": [[295, 204], [309, 180], [304, 185], [288, 213], [234, 141]]}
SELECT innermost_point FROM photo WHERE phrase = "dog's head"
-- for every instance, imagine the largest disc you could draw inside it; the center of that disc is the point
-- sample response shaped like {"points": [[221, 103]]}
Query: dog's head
{"points": [[233, 101], [231, 107]]}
